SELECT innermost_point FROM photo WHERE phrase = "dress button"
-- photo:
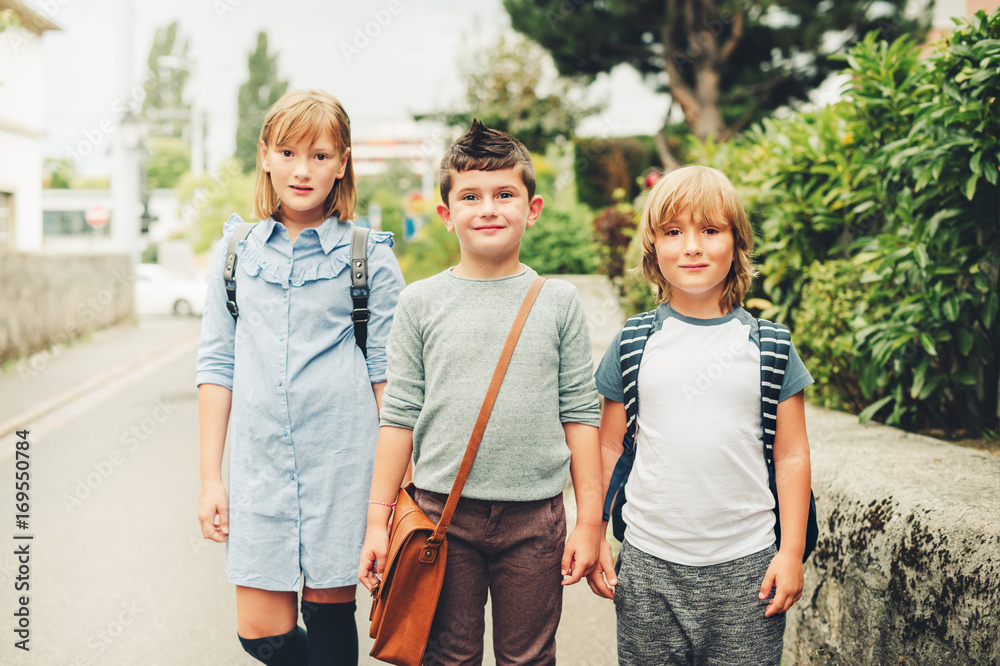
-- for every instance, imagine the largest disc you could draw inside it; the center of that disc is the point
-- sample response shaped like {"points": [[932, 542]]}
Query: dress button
{"points": [[279, 383], [285, 433], [291, 476]]}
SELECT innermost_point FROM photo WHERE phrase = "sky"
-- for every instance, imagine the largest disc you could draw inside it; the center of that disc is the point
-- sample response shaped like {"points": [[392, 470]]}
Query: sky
{"points": [[384, 60]]}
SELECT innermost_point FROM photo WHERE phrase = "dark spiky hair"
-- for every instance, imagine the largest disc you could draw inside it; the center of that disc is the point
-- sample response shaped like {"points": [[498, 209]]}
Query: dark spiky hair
{"points": [[485, 149]]}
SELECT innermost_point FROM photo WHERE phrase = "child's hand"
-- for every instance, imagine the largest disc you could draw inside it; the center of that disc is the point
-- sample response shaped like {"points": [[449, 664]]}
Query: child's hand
{"points": [[785, 574], [580, 554], [213, 503], [602, 579], [373, 555]]}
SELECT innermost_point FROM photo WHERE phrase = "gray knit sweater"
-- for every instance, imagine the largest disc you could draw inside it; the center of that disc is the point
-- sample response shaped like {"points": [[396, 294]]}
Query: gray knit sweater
{"points": [[445, 342]]}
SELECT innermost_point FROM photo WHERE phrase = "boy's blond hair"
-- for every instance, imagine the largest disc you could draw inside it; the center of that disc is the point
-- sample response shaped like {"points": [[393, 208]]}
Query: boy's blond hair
{"points": [[306, 114], [710, 198]]}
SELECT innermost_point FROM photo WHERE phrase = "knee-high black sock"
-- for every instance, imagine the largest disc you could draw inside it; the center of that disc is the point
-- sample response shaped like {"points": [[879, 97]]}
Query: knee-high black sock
{"points": [[291, 649], [333, 634]]}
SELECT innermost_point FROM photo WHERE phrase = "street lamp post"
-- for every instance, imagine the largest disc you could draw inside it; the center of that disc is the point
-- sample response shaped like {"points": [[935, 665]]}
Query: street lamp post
{"points": [[126, 185]]}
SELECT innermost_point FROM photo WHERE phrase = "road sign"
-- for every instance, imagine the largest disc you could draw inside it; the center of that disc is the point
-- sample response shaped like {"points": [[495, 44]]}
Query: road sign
{"points": [[96, 215]]}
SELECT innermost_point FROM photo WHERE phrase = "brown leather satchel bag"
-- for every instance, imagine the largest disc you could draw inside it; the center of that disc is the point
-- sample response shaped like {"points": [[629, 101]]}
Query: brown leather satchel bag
{"points": [[404, 601]]}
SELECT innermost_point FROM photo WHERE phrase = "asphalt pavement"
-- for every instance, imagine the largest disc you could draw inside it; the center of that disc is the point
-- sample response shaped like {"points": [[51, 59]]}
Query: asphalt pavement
{"points": [[107, 564]]}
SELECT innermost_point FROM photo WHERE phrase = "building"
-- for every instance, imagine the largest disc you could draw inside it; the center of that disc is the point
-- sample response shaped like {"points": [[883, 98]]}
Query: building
{"points": [[944, 10], [22, 81]]}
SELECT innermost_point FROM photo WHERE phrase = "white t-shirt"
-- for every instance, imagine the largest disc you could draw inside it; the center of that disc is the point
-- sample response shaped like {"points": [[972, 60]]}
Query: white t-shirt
{"points": [[698, 494]]}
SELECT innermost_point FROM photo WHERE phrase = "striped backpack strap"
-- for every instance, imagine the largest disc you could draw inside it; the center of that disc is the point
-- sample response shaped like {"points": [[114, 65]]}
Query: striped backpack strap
{"points": [[775, 346], [775, 342], [633, 342]]}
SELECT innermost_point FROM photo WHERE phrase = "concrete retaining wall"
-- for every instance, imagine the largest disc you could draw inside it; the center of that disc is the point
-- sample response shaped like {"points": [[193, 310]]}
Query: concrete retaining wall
{"points": [[907, 567], [48, 300]]}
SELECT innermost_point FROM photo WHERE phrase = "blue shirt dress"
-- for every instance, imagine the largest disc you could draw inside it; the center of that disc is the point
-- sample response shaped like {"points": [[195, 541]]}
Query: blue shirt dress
{"points": [[304, 422]]}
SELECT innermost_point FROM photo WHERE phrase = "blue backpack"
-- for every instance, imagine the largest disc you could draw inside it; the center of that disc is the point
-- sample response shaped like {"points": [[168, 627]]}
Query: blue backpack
{"points": [[775, 343]]}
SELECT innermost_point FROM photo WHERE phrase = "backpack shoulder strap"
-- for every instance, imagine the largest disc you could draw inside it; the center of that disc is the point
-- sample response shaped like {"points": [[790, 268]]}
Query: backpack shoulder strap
{"points": [[775, 343], [359, 287], [229, 270], [633, 343]]}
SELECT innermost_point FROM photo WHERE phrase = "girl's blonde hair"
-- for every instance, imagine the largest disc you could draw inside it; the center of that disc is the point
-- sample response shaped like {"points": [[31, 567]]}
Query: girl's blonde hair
{"points": [[710, 198], [305, 114]]}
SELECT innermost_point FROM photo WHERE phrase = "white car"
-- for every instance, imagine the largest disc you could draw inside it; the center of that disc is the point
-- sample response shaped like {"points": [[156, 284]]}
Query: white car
{"points": [[162, 292]]}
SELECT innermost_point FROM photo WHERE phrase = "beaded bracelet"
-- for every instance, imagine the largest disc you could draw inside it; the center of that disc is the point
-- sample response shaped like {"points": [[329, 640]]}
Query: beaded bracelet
{"points": [[391, 506]]}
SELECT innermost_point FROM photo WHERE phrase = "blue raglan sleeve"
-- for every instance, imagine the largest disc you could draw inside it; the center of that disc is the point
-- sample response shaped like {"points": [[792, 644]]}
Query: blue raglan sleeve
{"points": [[217, 349], [797, 377], [385, 281], [609, 372]]}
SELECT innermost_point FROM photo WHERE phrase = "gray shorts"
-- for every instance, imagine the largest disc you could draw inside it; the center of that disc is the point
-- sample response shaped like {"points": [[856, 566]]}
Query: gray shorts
{"points": [[675, 614]]}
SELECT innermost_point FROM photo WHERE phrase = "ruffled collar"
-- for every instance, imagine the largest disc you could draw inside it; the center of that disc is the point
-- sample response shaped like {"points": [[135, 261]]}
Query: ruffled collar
{"points": [[332, 233]]}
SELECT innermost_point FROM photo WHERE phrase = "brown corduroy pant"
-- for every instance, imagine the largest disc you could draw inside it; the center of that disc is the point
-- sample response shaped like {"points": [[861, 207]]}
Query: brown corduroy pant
{"points": [[513, 552]]}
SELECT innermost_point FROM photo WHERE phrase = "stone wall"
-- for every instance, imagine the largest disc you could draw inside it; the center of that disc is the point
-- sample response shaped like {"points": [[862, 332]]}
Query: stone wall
{"points": [[49, 300], [907, 567]]}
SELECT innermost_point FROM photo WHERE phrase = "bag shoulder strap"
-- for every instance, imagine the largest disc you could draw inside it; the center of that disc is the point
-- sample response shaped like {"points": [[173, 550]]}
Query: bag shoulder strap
{"points": [[229, 270], [484, 412], [359, 287], [775, 343], [635, 333]]}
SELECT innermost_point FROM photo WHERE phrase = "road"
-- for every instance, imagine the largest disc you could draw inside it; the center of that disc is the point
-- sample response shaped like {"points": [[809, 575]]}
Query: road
{"points": [[117, 569]]}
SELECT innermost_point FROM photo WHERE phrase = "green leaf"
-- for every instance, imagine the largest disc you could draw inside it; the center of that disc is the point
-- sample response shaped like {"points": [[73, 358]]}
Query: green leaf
{"points": [[970, 187], [974, 163], [965, 377], [929, 387], [868, 412], [919, 375], [964, 342], [950, 308], [990, 308], [928, 343]]}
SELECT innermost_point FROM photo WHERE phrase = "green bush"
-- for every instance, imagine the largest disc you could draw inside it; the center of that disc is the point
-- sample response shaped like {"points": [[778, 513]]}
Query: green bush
{"points": [[833, 298], [882, 211], [209, 201], [637, 293], [602, 166], [561, 242]]}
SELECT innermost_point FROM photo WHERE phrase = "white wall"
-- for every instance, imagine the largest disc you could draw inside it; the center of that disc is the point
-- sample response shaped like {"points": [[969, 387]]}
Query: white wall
{"points": [[21, 97]]}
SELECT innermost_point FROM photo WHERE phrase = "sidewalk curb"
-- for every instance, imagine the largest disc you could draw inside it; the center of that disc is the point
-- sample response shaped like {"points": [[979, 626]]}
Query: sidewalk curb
{"points": [[66, 397]]}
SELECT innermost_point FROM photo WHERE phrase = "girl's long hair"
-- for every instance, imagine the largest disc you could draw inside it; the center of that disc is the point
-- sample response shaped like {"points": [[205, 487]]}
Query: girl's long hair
{"points": [[305, 114]]}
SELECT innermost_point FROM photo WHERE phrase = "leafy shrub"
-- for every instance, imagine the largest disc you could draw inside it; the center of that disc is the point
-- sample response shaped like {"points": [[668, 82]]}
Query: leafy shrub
{"points": [[602, 166], [615, 226], [637, 293], [561, 242], [832, 299], [896, 189]]}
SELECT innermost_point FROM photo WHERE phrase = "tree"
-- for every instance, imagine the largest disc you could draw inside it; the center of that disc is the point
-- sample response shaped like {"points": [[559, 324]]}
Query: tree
{"points": [[725, 63], [262, 89], [9, 19], [164, 109], [58, 173], [169, 159], [508, 87]]}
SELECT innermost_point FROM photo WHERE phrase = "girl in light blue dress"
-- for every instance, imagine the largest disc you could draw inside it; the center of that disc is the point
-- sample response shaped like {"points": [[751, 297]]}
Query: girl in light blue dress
{"points": [[301, 396]]}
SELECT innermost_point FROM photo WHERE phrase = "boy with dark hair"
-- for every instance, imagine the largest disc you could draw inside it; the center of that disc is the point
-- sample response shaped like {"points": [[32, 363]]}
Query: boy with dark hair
{"points": [[508, 535]]}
